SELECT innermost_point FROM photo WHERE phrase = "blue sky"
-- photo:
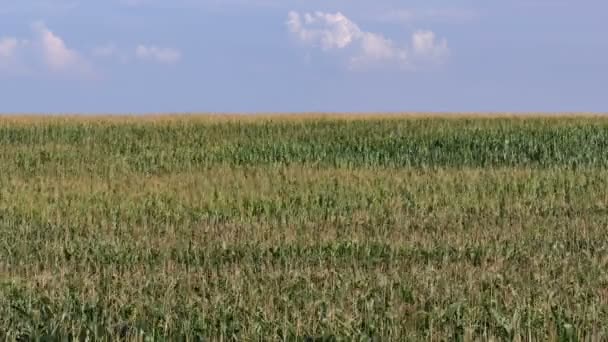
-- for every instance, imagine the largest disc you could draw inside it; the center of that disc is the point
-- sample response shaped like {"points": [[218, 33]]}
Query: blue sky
{"points": [[142, 56]]}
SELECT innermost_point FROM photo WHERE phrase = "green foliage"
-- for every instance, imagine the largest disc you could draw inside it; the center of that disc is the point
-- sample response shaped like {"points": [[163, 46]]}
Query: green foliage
{"points": [[304, 229]]}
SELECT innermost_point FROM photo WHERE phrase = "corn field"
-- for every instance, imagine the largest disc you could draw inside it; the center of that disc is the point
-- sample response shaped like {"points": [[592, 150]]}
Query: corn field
{"points": [[318, 228]]}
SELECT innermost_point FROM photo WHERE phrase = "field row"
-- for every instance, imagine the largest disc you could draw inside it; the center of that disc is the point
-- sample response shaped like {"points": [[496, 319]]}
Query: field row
{"points": [[185, 146], [306, 252]]}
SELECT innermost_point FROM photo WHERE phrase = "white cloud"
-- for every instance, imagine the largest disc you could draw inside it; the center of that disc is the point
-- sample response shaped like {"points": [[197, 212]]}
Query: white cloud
{"points": [[158, 54], [46, 51], [329, 31], [426, 45], [377, 47], [56, 55]]}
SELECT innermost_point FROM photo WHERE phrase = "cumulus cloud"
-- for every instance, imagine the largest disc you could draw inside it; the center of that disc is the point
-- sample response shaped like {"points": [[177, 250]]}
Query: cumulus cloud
{"points": [[158, 54], [329, 30], [376, 48], [56, 55], [334, 31], [45, 51], [48, 52]]}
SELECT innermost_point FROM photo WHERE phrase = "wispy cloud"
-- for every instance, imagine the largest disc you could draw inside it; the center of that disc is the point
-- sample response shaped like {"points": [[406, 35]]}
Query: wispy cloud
{"points": [[427, 46], [140, 52], [108, 50], [429, 15], [113, 52], [10, 48], [334, 31], [158, 54]]}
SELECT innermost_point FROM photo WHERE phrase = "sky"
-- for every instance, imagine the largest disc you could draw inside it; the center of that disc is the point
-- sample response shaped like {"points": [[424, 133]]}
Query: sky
{"points": [[260, 56]]}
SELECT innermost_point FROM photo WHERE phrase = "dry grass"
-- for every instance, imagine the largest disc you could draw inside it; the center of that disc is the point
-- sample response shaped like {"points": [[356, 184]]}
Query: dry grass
{"points": [[164, 118]]}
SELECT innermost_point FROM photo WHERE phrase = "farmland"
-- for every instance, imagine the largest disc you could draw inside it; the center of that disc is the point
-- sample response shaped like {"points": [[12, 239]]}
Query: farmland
{"points": [[287, 228]]}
